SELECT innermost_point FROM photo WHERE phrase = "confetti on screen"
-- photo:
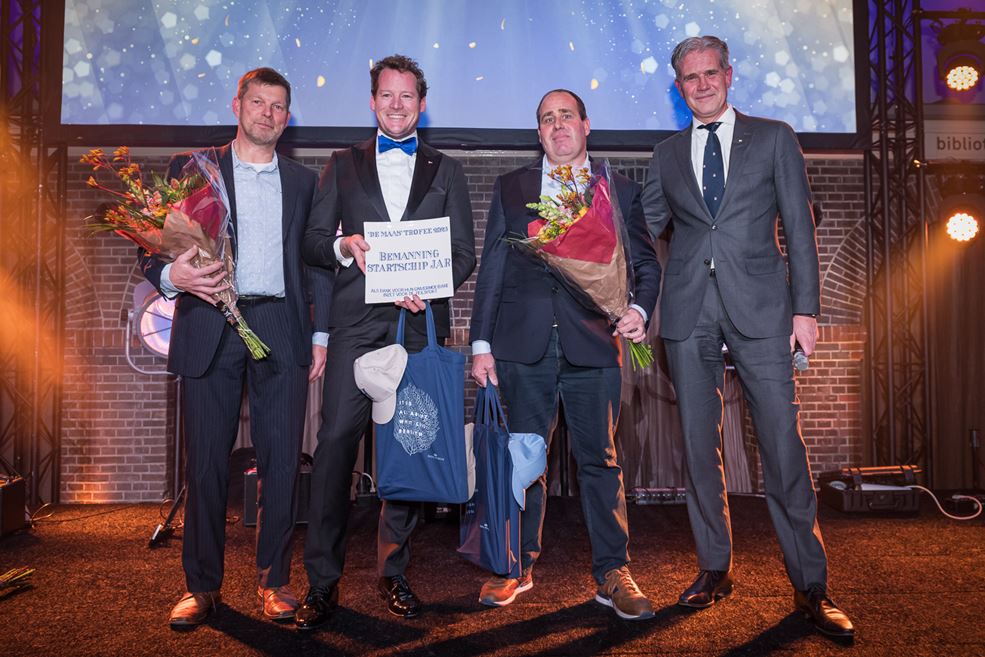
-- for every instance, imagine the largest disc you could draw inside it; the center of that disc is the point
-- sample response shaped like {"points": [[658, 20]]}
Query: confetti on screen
{"points": [[177, 63]]}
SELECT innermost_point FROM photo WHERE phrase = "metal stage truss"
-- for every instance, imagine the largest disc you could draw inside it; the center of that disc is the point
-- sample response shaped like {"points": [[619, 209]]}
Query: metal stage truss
{"points": [[899, 193], [32, 208]]}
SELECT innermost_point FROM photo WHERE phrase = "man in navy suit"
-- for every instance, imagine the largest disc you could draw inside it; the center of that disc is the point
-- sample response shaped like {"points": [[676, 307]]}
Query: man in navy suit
{"points": [[727, 283], [531, 334], [270, 197], [392, 177]]}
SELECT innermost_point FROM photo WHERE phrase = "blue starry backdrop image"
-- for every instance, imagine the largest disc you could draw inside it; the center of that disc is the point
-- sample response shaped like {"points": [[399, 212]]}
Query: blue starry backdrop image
{"points": [[140, 62]]}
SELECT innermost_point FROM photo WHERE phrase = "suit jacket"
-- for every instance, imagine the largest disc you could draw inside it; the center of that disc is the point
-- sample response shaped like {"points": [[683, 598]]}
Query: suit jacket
{"points": [[766, 178], [518, 300], [197, 326], [349, 195]]}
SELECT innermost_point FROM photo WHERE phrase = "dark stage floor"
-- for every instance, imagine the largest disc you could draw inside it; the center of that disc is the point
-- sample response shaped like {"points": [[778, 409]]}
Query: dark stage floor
{"points": [[914, 586]]}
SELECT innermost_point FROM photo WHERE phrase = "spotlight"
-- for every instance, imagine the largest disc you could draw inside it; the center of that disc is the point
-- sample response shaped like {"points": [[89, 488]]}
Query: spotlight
{"points": [[962, 190], [961, 59], [961, 226]]}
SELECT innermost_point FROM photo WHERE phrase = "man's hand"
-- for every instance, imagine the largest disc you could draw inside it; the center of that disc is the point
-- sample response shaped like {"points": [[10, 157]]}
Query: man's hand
{"points": [[355, 247], [318, 356], [203, 282], [484, 369], [804, 333], [415, 304], [631, 326]]}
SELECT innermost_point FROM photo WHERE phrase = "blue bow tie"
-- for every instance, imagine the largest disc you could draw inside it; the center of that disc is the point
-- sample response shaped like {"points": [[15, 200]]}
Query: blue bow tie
{"points": [[408, 146]]}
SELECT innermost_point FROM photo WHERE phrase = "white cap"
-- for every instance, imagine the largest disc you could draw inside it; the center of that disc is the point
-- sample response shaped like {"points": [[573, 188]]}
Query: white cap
{"points": [[377, 374]]}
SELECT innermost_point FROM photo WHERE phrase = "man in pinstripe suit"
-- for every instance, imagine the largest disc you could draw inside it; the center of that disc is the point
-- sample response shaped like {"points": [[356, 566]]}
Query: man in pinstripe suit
{"points": [[270, 198]]}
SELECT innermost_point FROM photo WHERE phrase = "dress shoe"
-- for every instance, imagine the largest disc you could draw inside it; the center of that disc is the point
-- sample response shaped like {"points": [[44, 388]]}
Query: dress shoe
{"points": [[822, 612], [400, 600], [279, 603], [194, 608], [318, 606], [501, 591], [708, 588], [620, 592]]}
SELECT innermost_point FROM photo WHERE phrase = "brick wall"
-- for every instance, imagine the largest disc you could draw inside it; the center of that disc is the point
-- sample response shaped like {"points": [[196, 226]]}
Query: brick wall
{"points": [[118, 424]]}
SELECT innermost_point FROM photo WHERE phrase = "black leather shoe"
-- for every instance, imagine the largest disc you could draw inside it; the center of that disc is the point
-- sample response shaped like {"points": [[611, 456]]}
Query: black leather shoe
{"points": [[400, 600], [318, 606], [818, 608], [708, 588]]}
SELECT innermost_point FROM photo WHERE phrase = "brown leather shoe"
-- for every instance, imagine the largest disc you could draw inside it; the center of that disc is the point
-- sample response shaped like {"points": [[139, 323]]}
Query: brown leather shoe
{"points": [[279, 603], [194, 608], [620, 592], [501, 591]]}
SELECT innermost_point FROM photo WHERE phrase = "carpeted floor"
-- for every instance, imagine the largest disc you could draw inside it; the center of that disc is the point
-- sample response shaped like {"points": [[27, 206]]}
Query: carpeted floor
{"points": [[914, 586]]}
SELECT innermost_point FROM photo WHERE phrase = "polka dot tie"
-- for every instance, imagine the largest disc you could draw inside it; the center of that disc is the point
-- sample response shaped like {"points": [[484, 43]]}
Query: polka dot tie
{"points": [[713, 172]]}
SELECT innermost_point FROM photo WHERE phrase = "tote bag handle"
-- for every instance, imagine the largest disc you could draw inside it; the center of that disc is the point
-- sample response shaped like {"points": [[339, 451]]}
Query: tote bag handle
{"points": [[432, 333]]}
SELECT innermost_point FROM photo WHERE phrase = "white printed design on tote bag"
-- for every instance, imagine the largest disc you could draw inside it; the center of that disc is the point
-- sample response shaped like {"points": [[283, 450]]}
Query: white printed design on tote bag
{"points": [[416, 420]]}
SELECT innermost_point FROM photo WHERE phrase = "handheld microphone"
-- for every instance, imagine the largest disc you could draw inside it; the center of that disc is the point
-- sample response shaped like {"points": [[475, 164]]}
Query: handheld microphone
{"points": [[800, 360]]}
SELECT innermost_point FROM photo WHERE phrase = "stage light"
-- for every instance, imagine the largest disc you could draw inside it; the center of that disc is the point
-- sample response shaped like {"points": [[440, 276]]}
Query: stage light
{"points": [[962, 197], [961, 59], [961, 226], [150, 320]]}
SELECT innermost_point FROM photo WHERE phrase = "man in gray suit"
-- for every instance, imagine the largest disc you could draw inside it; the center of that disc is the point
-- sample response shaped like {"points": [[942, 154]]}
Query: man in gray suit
{"points": [[722, 182]]}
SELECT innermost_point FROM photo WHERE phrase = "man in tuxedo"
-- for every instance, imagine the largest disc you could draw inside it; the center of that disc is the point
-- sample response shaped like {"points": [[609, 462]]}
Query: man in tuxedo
{"points": [[721, 183], [270, 197], [531, 334], [392, 177]]}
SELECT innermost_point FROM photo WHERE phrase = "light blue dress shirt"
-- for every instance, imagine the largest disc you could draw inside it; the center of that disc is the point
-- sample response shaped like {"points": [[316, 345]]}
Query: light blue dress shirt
{"points": [[259, 234]]}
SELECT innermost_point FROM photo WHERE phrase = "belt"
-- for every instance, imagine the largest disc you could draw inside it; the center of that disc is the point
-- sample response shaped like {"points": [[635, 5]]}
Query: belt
{"points": [[252, 299]]}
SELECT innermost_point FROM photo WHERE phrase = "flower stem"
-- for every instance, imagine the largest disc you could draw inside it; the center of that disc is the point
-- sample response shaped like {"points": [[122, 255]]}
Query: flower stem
{"points": [[641, 355]]}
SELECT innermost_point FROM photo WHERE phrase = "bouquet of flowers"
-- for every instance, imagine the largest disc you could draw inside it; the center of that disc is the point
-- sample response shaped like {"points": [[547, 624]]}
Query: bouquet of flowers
{"points": [[168, 217], [582, 237]]}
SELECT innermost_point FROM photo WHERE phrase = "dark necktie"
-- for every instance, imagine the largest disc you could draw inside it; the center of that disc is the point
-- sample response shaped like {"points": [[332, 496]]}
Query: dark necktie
{"points": [[713, 172], [408, 146]]}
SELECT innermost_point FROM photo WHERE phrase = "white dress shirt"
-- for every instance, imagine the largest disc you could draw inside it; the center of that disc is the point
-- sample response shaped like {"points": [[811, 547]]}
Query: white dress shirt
{"points": [[699, 139], [395, 170]]}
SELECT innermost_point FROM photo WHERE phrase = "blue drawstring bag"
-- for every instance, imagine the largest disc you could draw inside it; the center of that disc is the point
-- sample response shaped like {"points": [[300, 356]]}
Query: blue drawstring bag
{"points": [[489, 530], [420, 452]]}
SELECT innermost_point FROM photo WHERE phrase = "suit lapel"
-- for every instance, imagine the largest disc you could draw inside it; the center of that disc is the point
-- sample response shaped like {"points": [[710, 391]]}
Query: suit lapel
{"points": [[682, 150], [741, 136], [226, 167], [530, 183], [425, 168], [288, 193], [365, 161]]}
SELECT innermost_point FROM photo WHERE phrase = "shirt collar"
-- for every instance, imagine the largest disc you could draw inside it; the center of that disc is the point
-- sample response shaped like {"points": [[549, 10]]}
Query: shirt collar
{"points": [[728, 118], [259, 168], [547, 168]]}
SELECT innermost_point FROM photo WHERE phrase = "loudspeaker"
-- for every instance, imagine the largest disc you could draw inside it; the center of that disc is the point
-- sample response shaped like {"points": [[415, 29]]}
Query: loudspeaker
{"points": [[13, 497], [302, 493]]}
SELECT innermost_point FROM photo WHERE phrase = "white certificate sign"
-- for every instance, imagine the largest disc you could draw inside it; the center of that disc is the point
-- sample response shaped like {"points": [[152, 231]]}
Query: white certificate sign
{"points": [[408, 258]]}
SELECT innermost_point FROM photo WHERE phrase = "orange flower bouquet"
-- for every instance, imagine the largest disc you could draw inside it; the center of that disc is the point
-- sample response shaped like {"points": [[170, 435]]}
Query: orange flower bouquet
{"points": [[582, 237], [168, 217]]}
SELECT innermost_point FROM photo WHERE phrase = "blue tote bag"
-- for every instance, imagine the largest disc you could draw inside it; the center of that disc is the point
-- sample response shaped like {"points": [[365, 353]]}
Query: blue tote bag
{"points": [[489, 530], [421, 455]]}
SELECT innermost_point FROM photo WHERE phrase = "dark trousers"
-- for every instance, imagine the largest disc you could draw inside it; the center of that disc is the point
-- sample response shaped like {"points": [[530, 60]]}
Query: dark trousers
{"points": [[590, 396], [344, 416], [277, 389], [766, 373]]}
